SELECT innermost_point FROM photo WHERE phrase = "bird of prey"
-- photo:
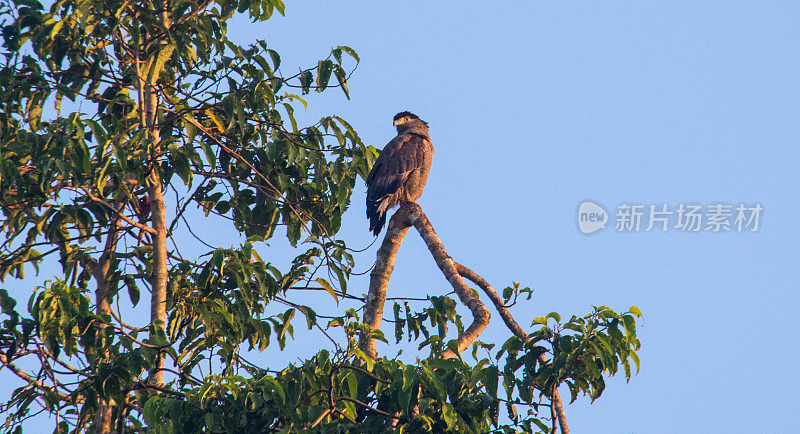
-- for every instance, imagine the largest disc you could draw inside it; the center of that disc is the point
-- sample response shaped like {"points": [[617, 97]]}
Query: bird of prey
{"points": [[400, 172]]}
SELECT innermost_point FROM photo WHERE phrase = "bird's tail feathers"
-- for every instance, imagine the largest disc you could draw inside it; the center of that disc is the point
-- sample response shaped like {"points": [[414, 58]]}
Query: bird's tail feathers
{"points": [[376, 212], [376, 223]]}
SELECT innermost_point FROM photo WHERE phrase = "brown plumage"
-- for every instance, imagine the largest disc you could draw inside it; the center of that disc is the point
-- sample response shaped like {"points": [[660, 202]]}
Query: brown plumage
{"points": [[400, 172]]}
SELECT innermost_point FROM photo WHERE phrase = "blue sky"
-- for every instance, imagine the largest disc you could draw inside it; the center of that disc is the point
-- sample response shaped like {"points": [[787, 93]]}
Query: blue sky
{"points": [[534, 109]]}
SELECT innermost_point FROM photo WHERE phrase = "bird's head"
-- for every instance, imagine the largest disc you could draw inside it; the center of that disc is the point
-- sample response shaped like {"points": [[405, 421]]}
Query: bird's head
{"points": [[406, 119]]}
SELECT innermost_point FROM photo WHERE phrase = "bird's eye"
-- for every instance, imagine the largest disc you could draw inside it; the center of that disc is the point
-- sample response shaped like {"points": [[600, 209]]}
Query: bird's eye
{"points": [[402, 120]]}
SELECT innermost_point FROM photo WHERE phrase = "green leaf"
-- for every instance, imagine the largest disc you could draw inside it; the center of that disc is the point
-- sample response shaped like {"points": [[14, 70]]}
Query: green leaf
{"points": [[211, 157], [555, 316], [450, 415], [542, 426], [155, 65], [306, 79], [341, 77], [399, 323], [352, 384], [635, 357], [350, 51], [133, 289], [507, 293], [276, 387], [327, 287], [630, 326], [98, 135], [490, 376], [324, 70]]}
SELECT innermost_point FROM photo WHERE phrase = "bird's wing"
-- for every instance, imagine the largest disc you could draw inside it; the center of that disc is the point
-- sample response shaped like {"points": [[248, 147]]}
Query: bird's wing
{"points": [[402, 155]]}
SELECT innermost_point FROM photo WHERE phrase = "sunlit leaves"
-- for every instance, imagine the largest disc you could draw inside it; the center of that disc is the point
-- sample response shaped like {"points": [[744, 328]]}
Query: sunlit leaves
{"points": [[79, 142], [438, 396], [103, 96], [583, 350]]}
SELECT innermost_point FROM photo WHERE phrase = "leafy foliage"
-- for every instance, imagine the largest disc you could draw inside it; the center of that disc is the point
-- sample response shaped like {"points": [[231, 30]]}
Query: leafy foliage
{"points": [[347, 392], [112, 110]]}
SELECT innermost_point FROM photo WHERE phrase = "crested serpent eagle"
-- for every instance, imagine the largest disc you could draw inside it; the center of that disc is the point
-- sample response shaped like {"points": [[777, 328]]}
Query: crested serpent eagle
{"points": [[399, 174]]}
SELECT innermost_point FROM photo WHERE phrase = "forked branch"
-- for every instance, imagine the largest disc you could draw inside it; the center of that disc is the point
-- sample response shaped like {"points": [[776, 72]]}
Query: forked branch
{"points": [[410, 214]]}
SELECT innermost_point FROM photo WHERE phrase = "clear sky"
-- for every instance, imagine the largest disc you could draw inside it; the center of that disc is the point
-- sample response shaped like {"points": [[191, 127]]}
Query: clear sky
{"points": [[534, 109]]}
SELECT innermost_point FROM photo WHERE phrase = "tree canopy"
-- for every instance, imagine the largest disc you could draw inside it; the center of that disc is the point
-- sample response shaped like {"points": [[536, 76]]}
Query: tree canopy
{"points": [[123, 122]]}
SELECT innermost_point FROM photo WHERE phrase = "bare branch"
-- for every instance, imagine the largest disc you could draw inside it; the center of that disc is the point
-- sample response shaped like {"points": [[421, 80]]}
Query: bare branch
{"points": [[321, 416], [498, 302], [558, 406], [34, 382], [411, 214]]}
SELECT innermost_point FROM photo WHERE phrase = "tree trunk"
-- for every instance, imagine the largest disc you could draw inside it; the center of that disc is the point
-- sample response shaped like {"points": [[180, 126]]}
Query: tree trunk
{"points": [[158, 220], [148, 107], [148, 116], [158, 302], [103, 422]]}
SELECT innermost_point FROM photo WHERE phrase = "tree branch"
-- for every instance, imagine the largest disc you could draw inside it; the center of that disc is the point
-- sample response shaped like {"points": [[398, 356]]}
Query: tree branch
{"points": [[34, 382], [120, 214], [558, 407], [410, 214]]}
